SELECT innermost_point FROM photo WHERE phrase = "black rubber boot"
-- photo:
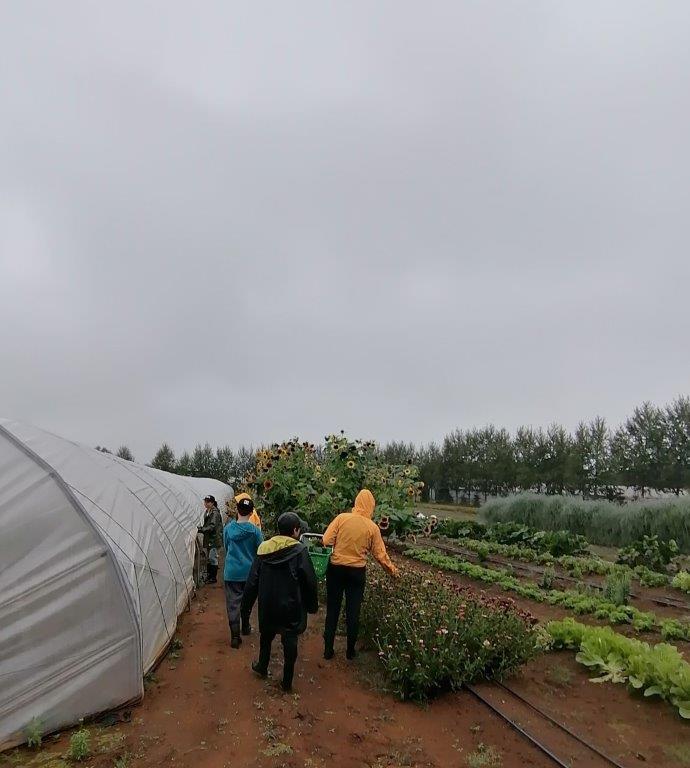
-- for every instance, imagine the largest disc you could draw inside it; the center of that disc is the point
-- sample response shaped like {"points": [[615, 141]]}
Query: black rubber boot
{"points": [[328, 653], [246, 626], [351, 653], [259, 670], [235, 639], [212, 574]]}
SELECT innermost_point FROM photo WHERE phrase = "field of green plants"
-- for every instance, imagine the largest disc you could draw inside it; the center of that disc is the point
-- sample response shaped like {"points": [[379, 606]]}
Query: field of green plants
{"points": [[600, 522], [431, 633]]}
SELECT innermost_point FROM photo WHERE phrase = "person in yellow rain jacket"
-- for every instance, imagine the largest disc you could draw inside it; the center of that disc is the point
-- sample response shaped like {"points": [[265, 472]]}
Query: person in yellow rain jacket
{"points": [[353, 535], [243, 502]]}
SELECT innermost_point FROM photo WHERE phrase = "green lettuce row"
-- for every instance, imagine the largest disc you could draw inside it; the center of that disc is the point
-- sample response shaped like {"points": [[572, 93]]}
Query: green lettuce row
{"points": [[581, 604], [656, 670]]}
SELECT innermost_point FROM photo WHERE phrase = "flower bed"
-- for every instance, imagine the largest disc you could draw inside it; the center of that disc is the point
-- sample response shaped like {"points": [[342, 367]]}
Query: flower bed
{"points": [[432, 635]]}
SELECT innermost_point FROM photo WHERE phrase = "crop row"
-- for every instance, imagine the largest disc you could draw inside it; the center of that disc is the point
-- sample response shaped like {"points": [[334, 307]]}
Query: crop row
{"points": [[657, 670], [572, 564], [579, 603]]}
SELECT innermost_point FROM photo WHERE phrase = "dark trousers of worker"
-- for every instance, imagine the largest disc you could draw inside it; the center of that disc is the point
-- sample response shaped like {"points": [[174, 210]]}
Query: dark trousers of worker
{"points": [[349, 581], [233, 601], [289, 641]]}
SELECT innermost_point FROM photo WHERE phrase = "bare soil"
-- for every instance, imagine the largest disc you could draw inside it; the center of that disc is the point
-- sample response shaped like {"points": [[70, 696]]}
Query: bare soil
{"points": [[204, 709]]}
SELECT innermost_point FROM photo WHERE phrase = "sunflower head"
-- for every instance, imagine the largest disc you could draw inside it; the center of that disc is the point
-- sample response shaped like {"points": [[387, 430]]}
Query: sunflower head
{"points": [[268, 484], [332, 480], [351, 464]]}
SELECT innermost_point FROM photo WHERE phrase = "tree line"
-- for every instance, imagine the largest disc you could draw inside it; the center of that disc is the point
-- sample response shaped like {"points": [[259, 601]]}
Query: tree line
{"points": [[650, 451]]}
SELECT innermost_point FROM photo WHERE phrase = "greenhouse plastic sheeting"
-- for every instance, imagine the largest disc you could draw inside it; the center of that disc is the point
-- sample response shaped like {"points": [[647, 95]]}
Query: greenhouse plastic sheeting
{"points": [[96, 564]]}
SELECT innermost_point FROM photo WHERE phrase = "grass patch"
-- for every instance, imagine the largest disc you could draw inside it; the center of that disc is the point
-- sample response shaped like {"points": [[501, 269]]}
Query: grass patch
{"points": [[559, 675], [277, 749], [679, 753], [484, 757]]}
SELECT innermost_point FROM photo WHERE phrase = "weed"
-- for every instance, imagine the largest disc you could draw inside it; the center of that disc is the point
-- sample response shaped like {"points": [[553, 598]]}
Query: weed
{"points": [[176, 644], [34, 733], [482, 553], [270, 732], [548, 577], [122, 761], [484, 757], [679, 753], [79, 744], [277, 749], [617, 587], [558, 675]]}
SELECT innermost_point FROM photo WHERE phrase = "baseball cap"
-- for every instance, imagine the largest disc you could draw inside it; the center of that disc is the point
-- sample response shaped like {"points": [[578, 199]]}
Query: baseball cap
{"points": [[245, 506]]}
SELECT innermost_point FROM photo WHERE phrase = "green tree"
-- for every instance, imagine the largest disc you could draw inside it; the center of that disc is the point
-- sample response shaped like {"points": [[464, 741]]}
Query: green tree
{"points": [[677, 473], [499, 458], [184, 465], [642, 449], [527, 449], [204, 462], [164, 459], [591, 470], [430, 463]]}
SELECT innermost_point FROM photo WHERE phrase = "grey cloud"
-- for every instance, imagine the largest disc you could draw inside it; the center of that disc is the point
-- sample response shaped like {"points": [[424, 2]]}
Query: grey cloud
{"points": [[244, 222]]}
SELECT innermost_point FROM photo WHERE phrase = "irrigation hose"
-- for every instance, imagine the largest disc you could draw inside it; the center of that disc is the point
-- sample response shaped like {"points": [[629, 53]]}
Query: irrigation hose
{"points": [[535, 742], [564, 728]]}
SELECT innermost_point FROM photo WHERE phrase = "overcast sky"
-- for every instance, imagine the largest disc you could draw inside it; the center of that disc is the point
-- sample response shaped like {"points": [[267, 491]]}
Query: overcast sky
{"points": [[236, 222]]}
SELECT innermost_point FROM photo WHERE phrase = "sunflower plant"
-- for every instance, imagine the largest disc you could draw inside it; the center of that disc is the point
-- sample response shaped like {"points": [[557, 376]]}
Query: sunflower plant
{"points": [[320, 481]]}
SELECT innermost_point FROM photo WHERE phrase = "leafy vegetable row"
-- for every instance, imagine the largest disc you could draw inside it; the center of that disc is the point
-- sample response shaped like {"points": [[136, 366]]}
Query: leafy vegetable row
{"points": [[657, 670], [580, 603], [575, 566]]}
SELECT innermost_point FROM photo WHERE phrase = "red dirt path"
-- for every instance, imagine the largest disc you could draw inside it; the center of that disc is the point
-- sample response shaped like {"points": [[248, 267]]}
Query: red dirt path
{"points": [[205, 709]]}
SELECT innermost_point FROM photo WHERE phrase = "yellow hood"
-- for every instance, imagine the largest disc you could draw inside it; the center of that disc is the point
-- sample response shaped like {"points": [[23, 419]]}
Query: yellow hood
{"points": [[241, 496], [275, 544], [365, 503]]}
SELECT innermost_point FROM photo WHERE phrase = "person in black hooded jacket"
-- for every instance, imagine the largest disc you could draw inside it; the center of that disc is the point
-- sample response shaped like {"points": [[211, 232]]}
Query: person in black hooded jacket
{"points": [[282, 577]]}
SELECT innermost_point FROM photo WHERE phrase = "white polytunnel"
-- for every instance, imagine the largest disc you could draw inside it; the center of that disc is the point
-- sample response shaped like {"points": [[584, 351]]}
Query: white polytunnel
{"points": [[96, 565]]}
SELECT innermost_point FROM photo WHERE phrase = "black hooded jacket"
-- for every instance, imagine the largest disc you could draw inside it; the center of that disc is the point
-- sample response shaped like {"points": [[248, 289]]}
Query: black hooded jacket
{"points": [[282, 577]]}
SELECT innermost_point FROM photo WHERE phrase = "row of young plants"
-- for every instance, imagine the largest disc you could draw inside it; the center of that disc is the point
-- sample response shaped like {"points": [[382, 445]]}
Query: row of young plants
{"points": [[657, 670], [554, 543], [434, 635], [578, 602], [572, 564]]}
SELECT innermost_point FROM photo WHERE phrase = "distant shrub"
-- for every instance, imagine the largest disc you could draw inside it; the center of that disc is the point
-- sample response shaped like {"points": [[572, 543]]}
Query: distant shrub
{"points": [[600, 522]]}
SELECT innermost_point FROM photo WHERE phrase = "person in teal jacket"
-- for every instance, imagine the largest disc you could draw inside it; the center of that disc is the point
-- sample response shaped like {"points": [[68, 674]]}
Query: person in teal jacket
{"points": [[241, 539]]}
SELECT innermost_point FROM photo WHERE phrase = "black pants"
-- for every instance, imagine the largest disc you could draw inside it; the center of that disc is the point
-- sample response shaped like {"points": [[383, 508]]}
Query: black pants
{"points": [[289, 641], [349, 581]]}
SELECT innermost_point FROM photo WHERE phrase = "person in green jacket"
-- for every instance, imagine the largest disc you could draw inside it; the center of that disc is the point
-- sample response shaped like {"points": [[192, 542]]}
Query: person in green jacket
{"points": [[212, 531]]}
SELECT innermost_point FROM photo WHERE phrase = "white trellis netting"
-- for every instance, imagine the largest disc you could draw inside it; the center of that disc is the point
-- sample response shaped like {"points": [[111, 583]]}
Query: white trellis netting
{"points": [[96, 564]]}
